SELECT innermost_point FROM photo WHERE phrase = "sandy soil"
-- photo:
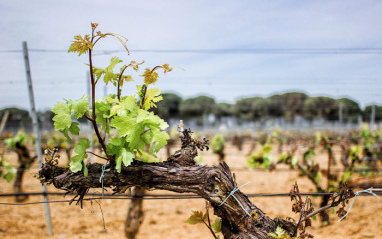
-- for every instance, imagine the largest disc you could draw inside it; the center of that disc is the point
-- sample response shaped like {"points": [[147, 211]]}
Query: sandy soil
{"points": [[165, 218]]}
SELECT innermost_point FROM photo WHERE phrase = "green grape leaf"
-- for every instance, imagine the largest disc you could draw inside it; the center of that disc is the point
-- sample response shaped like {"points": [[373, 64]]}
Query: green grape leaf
{"points": [[103, 114], [108, 73], [141, 92], [267, 148], [217, 225], [217, 144], [74, 129], [9, 176], [134, 136], [279, 233], [150, 76], [11, 172], [63, 117], [139, 145], [251, 162], [104, 124], [20, 138], [346, 176], [124, 78], [317, 177], [167, 68], [147, 158], [118, 109], [267, 160], [79, 107], [152, 96], [111, 99], [81, 45], [103, 109], [9, 142], [196, 217], [131, 103], [97, 72], [77, 161], [125, 106], [146, 137], [294, 161], [160, 139], [151, 120], [85, 168], [117, 141], [333, 211], [318, 136], [145, 118], [151, 150], [111, 149], [283, 157], [124, 157], [82, 146], [124, 124]]}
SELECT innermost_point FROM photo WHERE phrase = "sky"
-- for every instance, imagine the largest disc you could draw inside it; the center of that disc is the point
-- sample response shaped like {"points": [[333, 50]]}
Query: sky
{"points": [[228, 49]]}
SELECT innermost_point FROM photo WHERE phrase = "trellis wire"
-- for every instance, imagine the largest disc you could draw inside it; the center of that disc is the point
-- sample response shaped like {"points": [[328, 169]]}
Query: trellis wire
{"points": [[369, 191], [148, 196], [260, 169], [231, 194]]}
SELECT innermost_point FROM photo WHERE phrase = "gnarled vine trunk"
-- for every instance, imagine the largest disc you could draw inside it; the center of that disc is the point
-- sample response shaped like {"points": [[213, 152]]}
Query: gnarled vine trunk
{"points": [[240, 218], [24, 160]]}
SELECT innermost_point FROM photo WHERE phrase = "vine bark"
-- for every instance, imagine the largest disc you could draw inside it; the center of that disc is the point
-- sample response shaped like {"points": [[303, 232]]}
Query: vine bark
{"points": [[177, 174]]}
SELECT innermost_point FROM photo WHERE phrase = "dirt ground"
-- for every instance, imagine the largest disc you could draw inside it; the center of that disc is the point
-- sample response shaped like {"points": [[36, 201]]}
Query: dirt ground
{"points": [[165, 218]]}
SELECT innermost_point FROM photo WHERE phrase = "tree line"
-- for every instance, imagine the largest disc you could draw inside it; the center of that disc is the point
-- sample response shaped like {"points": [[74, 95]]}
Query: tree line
{"points": [[287, 106]]}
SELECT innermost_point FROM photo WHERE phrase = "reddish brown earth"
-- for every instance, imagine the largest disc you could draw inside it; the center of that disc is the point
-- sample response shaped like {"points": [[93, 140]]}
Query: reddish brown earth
{"points": [[165, 218]]}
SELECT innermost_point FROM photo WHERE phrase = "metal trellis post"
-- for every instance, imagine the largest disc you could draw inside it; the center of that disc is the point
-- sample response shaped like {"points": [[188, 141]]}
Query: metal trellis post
{"points": [[36, 132], [372, 117], [340, 116]]}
